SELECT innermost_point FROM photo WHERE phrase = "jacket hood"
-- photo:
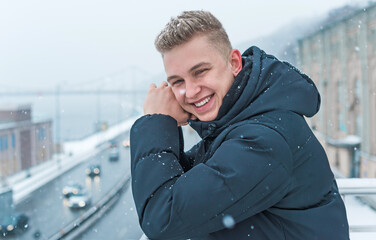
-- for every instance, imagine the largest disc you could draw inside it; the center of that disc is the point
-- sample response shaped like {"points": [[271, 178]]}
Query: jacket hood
{"points": [[264, 84]]}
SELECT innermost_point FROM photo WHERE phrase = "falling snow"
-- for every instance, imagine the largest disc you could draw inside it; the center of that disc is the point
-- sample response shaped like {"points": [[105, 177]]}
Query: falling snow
{"points": [[228, 221]]}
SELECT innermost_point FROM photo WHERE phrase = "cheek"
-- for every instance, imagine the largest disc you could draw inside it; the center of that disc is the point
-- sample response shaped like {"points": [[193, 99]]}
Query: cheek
{"points": [[179, 94]]}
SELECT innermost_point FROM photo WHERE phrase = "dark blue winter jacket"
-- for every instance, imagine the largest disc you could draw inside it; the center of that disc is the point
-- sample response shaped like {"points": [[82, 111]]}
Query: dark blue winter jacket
{"points": [[258, 173]]}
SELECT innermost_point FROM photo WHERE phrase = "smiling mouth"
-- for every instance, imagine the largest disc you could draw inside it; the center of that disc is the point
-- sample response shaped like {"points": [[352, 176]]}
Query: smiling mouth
{"points": [[203, 102]]}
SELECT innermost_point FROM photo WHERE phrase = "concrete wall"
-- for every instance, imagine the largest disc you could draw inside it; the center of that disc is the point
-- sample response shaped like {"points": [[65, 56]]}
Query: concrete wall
{"points": [[341, 60]]}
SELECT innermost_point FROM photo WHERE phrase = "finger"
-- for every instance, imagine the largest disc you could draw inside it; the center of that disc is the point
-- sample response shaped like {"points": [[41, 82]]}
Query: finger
{"points": [[163, 84], [152, 86]]}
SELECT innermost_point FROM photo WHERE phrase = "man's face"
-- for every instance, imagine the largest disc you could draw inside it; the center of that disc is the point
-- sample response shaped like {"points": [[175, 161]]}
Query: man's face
{"points": [[200, 77]]}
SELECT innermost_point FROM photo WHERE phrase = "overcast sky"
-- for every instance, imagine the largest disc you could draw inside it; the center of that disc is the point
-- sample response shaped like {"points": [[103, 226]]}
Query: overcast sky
{"points": [[44, 43]]}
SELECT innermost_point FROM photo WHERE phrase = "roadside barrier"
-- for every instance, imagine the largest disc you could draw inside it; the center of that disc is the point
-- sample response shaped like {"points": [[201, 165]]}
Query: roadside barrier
{"points": [[82, 223]]}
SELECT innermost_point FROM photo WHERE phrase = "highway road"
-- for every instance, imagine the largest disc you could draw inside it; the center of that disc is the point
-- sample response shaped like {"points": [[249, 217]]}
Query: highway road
{"points": [[47, 208], [48, 211], [121, 221]]}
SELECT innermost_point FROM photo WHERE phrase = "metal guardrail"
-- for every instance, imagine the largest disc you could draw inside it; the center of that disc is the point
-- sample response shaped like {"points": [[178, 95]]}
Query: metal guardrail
{"points": [[79, 225]]}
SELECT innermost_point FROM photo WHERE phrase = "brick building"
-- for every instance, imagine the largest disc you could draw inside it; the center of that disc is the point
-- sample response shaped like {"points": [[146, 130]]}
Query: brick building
{"points": [[341, 60], [23, 142]]}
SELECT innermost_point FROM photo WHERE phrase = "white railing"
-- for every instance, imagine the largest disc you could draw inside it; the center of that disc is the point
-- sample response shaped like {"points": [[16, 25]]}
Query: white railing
{"points": [[365, 189], [356, 186]]}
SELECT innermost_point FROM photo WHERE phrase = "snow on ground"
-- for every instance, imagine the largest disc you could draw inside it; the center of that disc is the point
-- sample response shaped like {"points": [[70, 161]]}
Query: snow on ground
{"points": [[360, 214]]}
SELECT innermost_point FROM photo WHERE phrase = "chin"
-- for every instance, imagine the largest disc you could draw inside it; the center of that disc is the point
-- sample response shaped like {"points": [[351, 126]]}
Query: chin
{"points": [[207, 118]]}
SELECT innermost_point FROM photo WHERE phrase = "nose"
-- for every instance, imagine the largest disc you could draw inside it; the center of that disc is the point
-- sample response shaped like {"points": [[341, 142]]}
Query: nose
{"points": [[191, 89]]}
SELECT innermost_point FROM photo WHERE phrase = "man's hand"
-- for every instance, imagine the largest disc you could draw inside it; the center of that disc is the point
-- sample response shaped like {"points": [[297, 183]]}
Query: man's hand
{"points": [[161, 100]]}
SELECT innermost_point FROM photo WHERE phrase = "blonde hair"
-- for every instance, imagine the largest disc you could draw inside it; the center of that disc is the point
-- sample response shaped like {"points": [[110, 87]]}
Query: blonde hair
{"points": [[191, 23]]}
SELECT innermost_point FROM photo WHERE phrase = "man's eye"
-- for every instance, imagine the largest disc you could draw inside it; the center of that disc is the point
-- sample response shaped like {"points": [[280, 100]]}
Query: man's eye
{"points": [[177, 82], [201, 71]]}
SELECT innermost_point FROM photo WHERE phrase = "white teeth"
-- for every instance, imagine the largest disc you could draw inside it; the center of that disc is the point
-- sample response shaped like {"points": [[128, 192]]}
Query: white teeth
{"points": [[203, 102]]}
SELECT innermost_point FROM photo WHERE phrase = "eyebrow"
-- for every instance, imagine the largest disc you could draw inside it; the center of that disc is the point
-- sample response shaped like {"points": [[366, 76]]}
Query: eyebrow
{"points": [[190, 70]]}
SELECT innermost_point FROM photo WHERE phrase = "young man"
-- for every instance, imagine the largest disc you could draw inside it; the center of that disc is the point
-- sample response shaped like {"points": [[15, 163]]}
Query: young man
{"points": [[258, 173]]}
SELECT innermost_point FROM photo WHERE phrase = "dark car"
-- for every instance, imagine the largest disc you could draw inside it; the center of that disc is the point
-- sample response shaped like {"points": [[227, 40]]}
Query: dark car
{"points": [[13, 223], [113, 154], [93, 170], [71, 189], [113, 144]]}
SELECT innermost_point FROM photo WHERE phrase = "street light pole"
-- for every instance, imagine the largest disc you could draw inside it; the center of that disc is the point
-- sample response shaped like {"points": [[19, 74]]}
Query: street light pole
{"points": [[98, 128], [57, 109]]}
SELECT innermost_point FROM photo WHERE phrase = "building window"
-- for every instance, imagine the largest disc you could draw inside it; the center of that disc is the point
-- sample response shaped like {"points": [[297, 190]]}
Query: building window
{"points": [[5, 142], [41, 133], [13, 140]]}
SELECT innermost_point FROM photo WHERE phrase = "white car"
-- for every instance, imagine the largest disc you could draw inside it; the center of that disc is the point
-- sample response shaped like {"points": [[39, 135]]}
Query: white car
{"points": [[80, 200]]}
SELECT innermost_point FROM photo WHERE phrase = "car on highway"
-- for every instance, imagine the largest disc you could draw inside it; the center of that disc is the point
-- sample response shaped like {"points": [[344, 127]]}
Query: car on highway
{"points": [[71, 189], [113, 154], [113, 144], [93, 170], [12, 223], [79, 200]]}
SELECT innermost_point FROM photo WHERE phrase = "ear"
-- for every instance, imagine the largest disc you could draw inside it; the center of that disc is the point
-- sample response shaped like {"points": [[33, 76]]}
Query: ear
{"points": [[236, 61]]}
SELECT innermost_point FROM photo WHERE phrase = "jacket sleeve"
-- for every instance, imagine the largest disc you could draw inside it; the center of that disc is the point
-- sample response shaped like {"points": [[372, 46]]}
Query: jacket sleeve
{"points": [[246, 175]]}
